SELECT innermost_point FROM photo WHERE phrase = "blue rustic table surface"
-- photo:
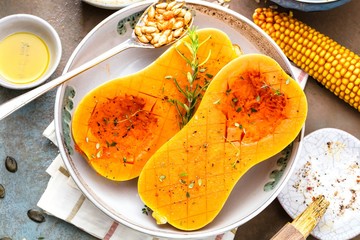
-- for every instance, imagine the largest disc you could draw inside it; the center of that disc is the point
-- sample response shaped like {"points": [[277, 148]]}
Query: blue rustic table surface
{"points": [[21, 133]]}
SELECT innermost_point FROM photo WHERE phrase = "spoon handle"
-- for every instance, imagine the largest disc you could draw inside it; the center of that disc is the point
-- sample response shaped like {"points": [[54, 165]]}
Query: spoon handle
{"points": [[12, 105]]}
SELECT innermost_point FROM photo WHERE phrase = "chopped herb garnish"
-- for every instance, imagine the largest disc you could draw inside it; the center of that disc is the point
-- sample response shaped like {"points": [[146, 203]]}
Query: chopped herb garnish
{"points": [[112, 144], [191, 185], [238, 125], [234, 164], [238, 109], [265, 85], [209, 75], [187, 194], [145, 210], [258, 98], [253, 110], [216, 102], [277, 92], [183, 174], [162, 178]]}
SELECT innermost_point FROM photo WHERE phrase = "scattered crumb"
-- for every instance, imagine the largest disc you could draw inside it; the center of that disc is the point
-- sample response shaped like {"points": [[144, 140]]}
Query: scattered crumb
{"points": [[341, 187]]}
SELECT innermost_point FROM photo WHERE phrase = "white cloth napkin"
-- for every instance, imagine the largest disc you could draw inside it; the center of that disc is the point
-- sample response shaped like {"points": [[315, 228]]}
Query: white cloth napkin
{"points": [[64, 200]]}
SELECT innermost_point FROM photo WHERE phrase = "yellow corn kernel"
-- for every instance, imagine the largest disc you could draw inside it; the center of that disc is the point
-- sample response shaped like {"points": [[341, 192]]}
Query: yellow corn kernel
{"points": [[335, 66], [355, 88], [338, 67], [327, 66], [338, 82], [337, 75], [332, 71]]}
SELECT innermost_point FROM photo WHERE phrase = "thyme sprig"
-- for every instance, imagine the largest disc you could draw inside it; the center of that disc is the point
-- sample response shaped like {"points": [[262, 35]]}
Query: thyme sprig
{"points": [[192, 91]]}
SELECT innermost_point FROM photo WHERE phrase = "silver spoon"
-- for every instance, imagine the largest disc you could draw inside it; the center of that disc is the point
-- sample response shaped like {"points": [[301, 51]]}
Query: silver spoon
{"points": [[12, 105]]}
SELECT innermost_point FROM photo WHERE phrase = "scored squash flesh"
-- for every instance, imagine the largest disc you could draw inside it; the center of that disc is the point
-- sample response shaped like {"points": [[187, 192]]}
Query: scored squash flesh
{"points": [[120, 124], [251, 111]]}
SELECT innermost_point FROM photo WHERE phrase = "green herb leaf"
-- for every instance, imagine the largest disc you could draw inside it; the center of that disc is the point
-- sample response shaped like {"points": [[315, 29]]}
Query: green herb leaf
{"points": [[162, 178], [145, 210], [193, 91], [216, 102]]}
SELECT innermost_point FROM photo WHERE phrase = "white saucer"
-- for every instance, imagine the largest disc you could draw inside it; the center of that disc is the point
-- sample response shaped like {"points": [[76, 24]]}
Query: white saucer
{"points": [[329, 165]]}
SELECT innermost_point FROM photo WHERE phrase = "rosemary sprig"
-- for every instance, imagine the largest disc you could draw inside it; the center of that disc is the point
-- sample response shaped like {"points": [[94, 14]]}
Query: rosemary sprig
{"points": [[192, 91]]}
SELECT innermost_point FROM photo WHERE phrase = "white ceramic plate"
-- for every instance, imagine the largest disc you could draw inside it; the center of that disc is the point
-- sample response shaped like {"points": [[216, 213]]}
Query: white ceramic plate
{"points": [[255, 191], [329, 165], [111, 4]]}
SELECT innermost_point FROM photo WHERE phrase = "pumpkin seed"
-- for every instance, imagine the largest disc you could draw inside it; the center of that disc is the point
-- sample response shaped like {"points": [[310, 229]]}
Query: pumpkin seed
{"points": [[161, 5], [178, 5], [170, 5], [36, 215], [177, 11], [2, 191], [178, 24], [168, 15], [151, 13], [187, 17], [11, 164], [178, 32]]}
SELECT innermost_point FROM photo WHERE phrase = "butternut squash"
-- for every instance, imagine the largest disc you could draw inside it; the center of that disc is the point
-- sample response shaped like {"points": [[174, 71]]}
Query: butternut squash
{"points": [[120, 124], [251, 111]]}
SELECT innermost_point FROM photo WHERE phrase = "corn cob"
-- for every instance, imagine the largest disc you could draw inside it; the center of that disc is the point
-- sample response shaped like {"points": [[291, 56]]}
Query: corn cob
{"points": [[333, 65]]}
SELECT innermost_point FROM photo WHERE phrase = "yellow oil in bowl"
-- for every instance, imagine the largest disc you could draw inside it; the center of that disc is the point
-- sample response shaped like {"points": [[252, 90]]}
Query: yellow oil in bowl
{"points": [[24, 57]]}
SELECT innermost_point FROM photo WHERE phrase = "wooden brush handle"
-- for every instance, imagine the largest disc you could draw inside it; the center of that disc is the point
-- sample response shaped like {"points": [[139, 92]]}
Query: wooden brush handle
{"points": [[303, 224], [288, 232]]}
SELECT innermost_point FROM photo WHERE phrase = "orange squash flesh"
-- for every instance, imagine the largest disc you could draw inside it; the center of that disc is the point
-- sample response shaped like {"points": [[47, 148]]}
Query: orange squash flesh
{"points": [[120, 124], [251, 111]]}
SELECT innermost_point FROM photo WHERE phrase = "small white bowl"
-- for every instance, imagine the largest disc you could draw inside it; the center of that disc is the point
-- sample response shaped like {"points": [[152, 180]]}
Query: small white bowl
{"points": [[39, 27]]}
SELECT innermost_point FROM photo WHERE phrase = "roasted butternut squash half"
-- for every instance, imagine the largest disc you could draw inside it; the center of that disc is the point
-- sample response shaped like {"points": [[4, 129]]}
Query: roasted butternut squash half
{"points": [[120, 124], [251, 111]]}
